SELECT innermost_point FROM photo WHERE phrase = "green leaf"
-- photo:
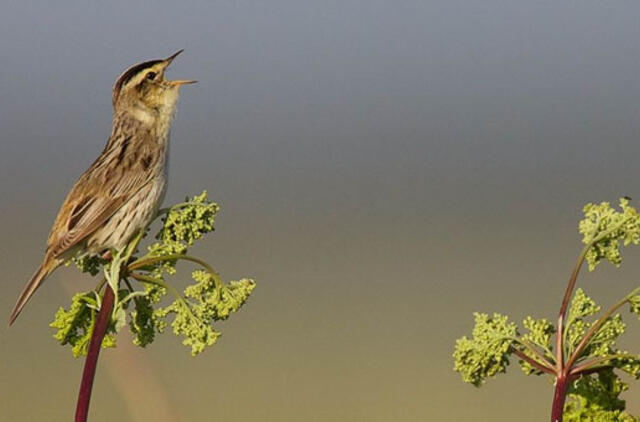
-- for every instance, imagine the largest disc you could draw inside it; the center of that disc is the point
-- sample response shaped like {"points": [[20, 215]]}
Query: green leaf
{"points": [[91, 264], [120, 319], [75, 326], [595, 398], [142, 325]]}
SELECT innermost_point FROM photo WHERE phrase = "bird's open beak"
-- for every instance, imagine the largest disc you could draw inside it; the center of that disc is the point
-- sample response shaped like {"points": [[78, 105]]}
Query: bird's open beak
{"points": [[180, 82]]}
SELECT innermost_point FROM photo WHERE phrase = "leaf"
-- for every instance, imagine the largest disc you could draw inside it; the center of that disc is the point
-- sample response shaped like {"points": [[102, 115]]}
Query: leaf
{"points": [[75, 326], [141, 324], [91, 264], [120, 319], [595, 398]]}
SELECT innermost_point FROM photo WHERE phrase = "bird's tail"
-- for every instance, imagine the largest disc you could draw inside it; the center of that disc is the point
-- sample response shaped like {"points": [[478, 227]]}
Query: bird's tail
{"points": [[36, 280]]}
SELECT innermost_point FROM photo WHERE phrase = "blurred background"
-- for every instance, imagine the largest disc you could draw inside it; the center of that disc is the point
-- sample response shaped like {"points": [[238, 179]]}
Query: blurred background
{"points": [[384, 170]]}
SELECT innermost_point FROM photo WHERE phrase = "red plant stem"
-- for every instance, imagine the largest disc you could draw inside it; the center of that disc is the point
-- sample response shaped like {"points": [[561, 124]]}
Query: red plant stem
{"points": [[532, 362], [572, 282], [562, 371], [90, 363], [593, 370], [559, 396], [563, 310]]}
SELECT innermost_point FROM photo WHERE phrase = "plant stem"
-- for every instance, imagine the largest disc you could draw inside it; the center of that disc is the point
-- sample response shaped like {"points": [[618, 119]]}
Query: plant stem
{"points": [[563, 308], [143, 262], [531, 348], [99, 331], [596, 326], [533, 362], [572, 280], [559, 397], [564, 370], [597, 363], [146, 279]]}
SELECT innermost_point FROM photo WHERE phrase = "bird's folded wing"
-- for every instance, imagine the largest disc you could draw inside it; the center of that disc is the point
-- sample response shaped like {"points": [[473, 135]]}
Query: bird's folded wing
{"points": [[93, 217], [93, 200]]}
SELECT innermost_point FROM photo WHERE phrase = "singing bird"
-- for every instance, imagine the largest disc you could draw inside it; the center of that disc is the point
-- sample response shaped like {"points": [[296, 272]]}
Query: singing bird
{"points": [[120, 193]]}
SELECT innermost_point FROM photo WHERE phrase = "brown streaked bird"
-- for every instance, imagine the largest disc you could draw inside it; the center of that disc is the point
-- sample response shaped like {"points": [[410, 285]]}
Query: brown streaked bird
{"points": [[121, 191]]}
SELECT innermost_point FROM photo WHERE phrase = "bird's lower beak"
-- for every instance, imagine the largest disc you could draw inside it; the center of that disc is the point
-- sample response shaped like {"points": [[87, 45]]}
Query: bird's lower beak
{"points": [[182, 82]]}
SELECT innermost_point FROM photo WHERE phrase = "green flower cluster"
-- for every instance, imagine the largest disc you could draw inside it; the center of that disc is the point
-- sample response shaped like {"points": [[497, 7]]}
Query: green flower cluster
{"points": [[539, 332], [206, 301], [603, 228], [188, 221], [194, 311], [182, 225], [494, 340], [588, 337], [487, 352]]}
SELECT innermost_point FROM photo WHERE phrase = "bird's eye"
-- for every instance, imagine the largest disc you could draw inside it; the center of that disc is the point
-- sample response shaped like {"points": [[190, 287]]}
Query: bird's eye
{"points": [[151, 75]]}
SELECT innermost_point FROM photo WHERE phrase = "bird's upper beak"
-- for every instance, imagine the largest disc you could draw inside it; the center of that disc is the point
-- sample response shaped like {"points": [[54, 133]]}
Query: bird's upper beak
{"points": [[179, 82], [169, 59]]}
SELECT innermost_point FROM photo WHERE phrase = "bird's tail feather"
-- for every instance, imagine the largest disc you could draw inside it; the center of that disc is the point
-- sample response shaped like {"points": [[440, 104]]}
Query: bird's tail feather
{"points": [[36, 280]]}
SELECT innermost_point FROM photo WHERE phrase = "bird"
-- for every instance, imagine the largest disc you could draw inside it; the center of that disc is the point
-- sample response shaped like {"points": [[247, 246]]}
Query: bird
{"points": [[120, 193]]}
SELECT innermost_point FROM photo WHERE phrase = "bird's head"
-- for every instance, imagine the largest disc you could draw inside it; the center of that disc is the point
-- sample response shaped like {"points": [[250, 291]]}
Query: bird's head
{"points": [[143, 89]]}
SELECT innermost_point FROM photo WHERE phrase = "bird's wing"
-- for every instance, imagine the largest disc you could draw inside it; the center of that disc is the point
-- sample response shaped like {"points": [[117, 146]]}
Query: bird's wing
{"points": [[95, 217], [105, 187]]}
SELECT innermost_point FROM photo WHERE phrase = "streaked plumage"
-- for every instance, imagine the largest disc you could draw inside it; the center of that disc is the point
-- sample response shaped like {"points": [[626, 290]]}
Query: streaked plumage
{"points": [[121, 191]]}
